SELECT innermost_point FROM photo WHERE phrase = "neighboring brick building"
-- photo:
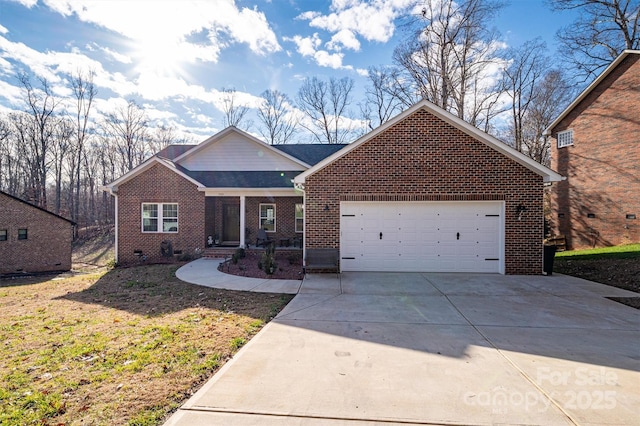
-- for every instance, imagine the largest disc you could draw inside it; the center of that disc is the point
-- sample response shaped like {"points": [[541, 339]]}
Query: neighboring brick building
{"points": [[426, 191], [423, 192], [32, 239], [596, 145]]}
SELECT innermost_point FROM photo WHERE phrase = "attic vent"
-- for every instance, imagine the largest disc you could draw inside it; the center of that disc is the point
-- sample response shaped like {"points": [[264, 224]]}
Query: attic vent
{"points": [[565, 138]]}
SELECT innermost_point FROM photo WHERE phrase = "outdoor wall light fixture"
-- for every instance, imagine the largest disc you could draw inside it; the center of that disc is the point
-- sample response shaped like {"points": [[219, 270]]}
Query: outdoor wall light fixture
{"points": [[326, 207], [520, 209]]}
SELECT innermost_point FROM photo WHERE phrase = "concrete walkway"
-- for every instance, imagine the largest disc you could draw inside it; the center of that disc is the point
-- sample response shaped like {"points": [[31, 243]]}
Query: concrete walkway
{"points": [[205, 272], [384, 348]]}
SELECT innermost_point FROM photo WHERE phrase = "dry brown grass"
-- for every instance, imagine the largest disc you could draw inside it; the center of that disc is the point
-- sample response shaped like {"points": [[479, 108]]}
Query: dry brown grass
{"points": [[125, 346]]}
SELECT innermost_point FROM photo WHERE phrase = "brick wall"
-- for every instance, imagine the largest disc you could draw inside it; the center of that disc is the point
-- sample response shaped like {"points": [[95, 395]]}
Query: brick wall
{"points": [[285, 217], [423, 158], [158, 184], [602, 166], [48, 243]]}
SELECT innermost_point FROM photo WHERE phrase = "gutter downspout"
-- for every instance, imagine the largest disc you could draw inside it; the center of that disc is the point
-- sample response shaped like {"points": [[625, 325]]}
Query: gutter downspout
{"points": [[116, 228]]}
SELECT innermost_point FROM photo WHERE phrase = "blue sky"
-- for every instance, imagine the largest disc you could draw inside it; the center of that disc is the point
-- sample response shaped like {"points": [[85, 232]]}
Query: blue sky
{"points": [[173, 57]]}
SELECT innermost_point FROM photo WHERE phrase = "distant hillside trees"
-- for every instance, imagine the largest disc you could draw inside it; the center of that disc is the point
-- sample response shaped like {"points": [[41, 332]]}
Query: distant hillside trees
{"points": [[56, 154]]}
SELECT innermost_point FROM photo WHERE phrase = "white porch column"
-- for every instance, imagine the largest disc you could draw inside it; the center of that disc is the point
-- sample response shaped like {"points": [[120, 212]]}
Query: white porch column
{"points": [[242, 221]]}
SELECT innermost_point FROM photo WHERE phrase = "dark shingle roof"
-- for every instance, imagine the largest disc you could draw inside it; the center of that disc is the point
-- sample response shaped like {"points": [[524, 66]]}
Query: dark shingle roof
{"points": [[174, 151], [252, 179], [310, 153], [41, 209]]}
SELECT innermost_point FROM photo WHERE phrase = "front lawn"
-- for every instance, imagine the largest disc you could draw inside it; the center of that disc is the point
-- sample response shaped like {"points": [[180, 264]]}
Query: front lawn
{"points": [[123, 347]]}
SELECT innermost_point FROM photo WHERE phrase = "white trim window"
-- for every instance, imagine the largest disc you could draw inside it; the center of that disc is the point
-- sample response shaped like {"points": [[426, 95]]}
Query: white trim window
{"points": [[565, 138], [268, 217], [299, 217], [160, 217]]}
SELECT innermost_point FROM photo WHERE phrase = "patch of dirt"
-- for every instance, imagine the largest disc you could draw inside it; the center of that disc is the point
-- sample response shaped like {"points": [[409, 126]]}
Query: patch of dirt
{"points": [[93, 248], [289, 266], [620, 273], [634, 302]]}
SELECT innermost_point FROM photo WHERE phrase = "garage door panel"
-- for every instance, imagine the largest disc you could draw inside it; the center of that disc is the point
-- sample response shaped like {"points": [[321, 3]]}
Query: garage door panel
{"points": [[421, 236]]}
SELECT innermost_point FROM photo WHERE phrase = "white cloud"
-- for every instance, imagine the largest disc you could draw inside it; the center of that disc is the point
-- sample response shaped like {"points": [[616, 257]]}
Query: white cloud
{"points": [[344, 38], [172, 22], [308, 47], [118, 57], [27, 3], [53, 66], [362, 72], [372, 20], [330, 60], [13, 94], [3, 30]]}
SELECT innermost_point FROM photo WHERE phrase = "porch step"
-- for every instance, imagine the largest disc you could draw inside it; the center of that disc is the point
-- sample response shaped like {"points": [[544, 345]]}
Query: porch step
{"points": [[219, 252]]}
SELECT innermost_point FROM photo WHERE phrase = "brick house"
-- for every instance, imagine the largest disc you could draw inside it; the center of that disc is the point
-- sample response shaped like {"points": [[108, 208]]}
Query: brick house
{"points": [[32, 239], [425, 191], [219, 192], [596, 145]]}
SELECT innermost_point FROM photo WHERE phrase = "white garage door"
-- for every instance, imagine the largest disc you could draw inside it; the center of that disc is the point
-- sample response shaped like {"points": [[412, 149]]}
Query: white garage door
{"points": [[422, 236]]}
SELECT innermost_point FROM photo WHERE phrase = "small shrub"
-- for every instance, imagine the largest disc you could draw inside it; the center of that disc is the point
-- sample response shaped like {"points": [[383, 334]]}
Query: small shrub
{"points": [[269, 265], [240, 253]]}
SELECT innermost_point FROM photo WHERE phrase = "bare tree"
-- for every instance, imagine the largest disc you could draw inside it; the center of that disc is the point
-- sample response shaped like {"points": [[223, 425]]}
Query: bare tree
{"points": [[6, 157], [84, 92], [325, 108], [128, 128], [60, 150], [163, 136], [41, 107], [233, 112], [552, 93], [603, 29], [528, 66], [383, 97], [449, 57], [275, 114]]}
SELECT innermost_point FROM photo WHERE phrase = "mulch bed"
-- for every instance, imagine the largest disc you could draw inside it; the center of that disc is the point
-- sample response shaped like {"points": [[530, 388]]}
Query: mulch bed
{"points": [[620, 273], [289, 266]]}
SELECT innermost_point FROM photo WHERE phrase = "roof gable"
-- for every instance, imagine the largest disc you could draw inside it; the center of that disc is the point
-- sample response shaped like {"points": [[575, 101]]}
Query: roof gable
{"points": [[547, 174], [112, 188], [549, 130], [36, 207], [234, 150]]}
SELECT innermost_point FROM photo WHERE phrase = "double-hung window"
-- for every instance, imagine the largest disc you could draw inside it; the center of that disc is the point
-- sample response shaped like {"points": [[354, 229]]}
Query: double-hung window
{"points": [[23, 234], [3, 235], [565, 138], [299, 217], [159, 217], [268, 217]]}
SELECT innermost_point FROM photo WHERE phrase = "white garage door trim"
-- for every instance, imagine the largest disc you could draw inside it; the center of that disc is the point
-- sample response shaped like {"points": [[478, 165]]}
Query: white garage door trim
{"points": [[433, 236]]}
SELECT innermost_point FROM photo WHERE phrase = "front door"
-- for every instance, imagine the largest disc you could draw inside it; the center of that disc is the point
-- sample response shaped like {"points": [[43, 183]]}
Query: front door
{"points": [[231, 223]]}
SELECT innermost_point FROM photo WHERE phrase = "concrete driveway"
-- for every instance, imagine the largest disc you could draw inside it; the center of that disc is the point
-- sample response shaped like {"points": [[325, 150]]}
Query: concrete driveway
{"points": [[384, 348]]}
